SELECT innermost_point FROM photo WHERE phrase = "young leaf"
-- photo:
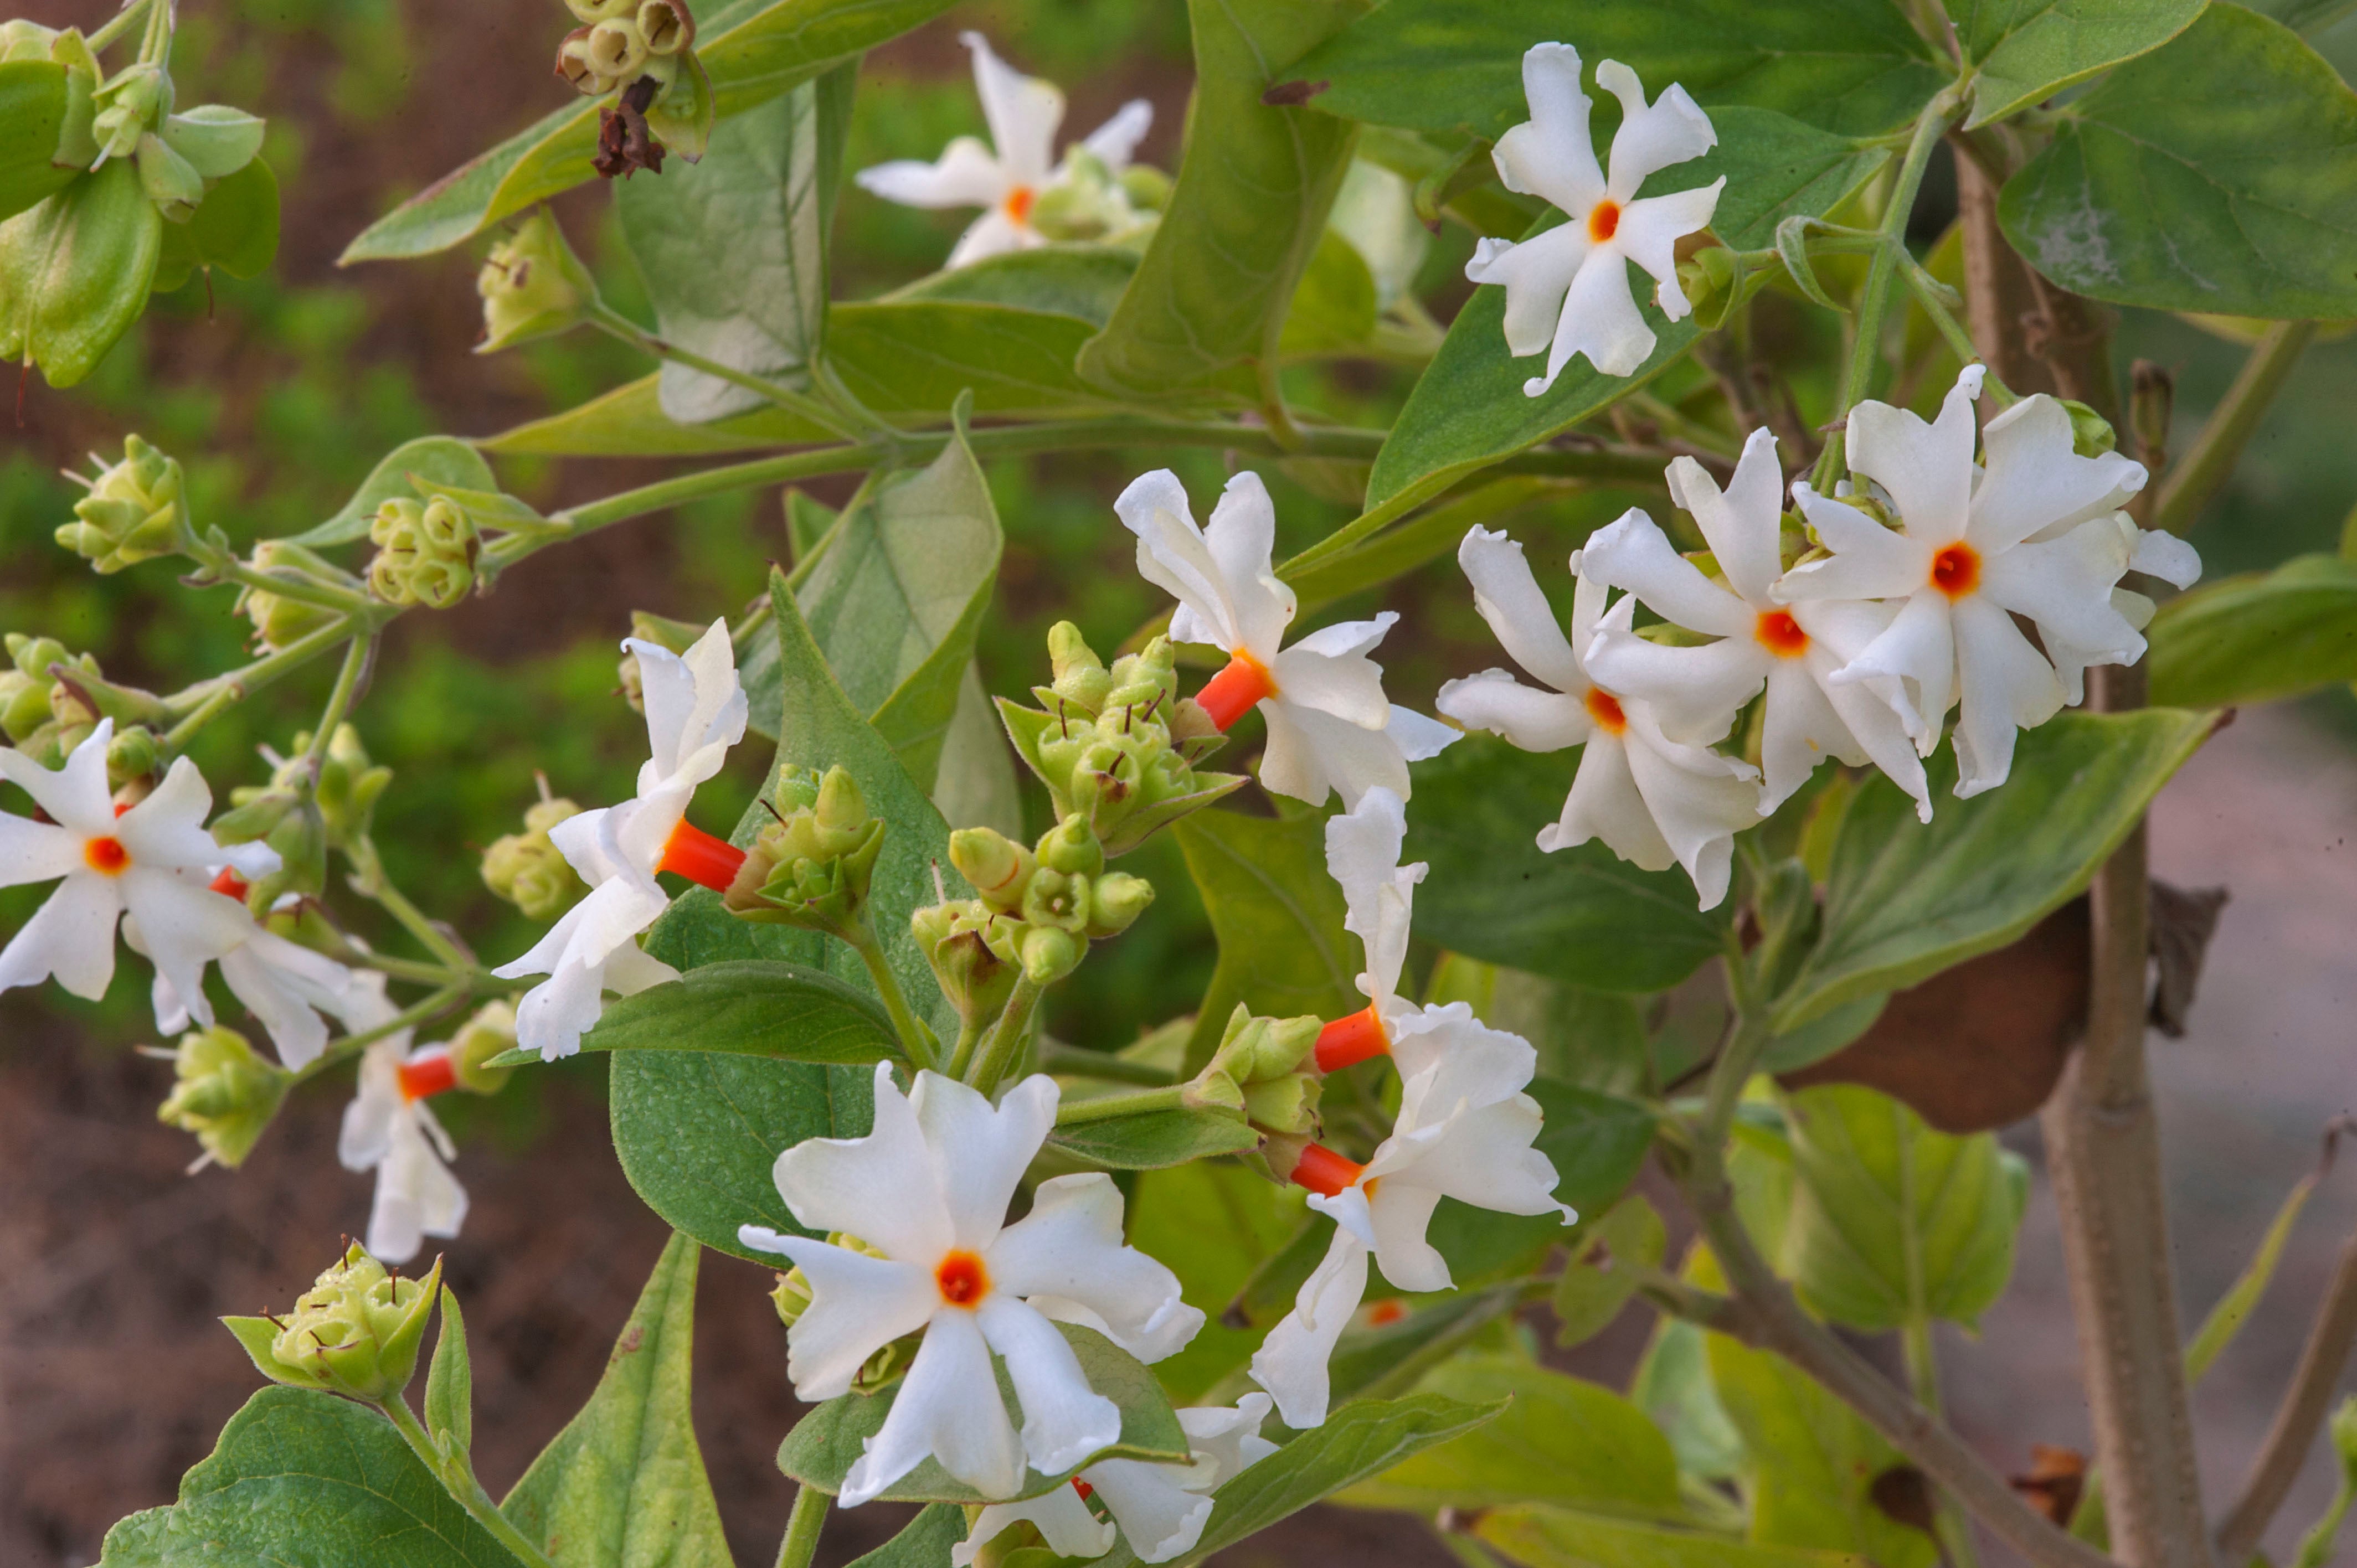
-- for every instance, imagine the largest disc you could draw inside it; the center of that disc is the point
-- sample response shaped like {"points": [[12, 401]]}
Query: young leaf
{"points": [[975, 785], [1083, 281], [825, 1445], [301, 1476], [75, 270], [445, 459], [1278, 918], [752, 1008], [1155, 1139], [1906, 899], [1543, 1535], [33, 107], [925, 1542], [2259, 637], [1378, 1360], [2170, 184], [1673, 1386], [1211, 1222], [450, 1383], [623, 1485], [1593, 1287], [1333, 310], [2028, 50], [234, 229]]}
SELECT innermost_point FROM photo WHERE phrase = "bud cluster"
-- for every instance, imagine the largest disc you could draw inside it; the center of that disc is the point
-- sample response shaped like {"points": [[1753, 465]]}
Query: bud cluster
{"points": [[532, 285], [425, 551], [356, 1331], [622, 40], [51, 700], [1037, 909], [1090, 203], [223, 1091], [812, 867], [279, 620], [302, 817], [529, 870], [136, 510], [1263, 1069], [491, 1032]]}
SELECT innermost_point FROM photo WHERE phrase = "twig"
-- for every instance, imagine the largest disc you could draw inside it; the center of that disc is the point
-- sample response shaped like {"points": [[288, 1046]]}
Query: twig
{"points": [[2197, 481], [2300, 1417]]}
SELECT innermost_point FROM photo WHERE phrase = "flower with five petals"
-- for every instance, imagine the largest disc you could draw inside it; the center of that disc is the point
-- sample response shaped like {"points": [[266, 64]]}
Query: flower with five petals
{"points": [[390, 1128]]}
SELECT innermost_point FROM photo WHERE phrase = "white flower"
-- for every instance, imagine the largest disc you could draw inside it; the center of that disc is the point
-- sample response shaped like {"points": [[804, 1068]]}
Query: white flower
{"points": [[283, 985], [389, 1128], [1456, 1137], [2037, 534], [1161, 1508], [1651, 800], [1792, 652], [152, 863], [695, 712], [927, 1189], [1024, 113], [1567, 289], [1331, 728]]}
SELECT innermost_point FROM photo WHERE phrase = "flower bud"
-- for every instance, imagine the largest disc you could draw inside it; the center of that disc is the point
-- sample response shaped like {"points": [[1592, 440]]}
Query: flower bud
{"points": [[1144, 682], [128, 106], [356, 1331], [224, 1093], [1056, 899], [529, 870], [24, 689], [2092, 435], [135, 510], [490, 1031], [255, 812], [812, 867], [1047, 955], [952, 937], [532, 285], [171, 181], [998, 867], [348, 787], [1115, 901], [666, 25], [1081, 679], [425, 553], [1070, 847], [132, 754], [21, 39], [279, 620], [1286, 1104], [1257, 1050], [793, 1297], [1144, 188]]}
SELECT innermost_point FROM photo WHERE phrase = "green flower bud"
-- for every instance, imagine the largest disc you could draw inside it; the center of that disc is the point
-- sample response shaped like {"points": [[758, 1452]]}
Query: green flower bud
{"points": [[1047, 955], [1081, 679], [1115, 901], [1287, 1104], [529, 870], [954, 937], [224, 1093], [349, 788], [25, 705], [135, 510], [1145, 683], [279, 621], [1072, 848], [1146, 188], [1259, 1050], [1058, 899], [171, 181], [813, 866], [132, 754], [129, 106], [998, 867], [666, 26], [532, 285], [356, 1331], [2092, 435], [301, 840], [425, 553], [793, 1297], [490, 1031]]}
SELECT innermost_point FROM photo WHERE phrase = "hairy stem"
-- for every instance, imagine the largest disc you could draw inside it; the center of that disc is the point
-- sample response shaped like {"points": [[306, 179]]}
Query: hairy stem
{"points": [[2300, 1416], [1105, 1107], [916, 1040], [999, 1048], [2198, 479], [457, 1479], [802, 1528]]}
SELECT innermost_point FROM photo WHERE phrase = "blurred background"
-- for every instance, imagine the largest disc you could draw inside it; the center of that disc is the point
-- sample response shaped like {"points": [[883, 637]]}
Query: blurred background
{"points": [[278, 395]]}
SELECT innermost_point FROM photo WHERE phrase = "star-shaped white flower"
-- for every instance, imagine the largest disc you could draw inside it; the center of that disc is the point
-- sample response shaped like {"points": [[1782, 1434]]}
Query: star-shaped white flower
{"points": [[1654, 801], [695, 712], [286, 987], [927, 1189], [1794, 651], [389, 1128], [2036, 533], [1024, 113], [1161, 1509], [1331, 728], [152, 862], [1567, 289]]}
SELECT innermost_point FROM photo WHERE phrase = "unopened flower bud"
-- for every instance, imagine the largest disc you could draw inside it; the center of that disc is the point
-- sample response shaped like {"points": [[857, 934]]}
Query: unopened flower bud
{"points": [[356, 1331], [24, 689], [813, 866], [1070, 847], [793, 1297], [224, 1093], [1286, 1104], [136, 510], [529, 870], [425, 553], [255, 812], [1144, 188], [1049, 954], [490, 1032], [2092, 435], [1081, 679], [349, 788], [532, 285], [1143, 683], [1253, 1050], [1115, 901], [952, 937], [128, 106], [132, 754], [280, 621], [998, 867]]}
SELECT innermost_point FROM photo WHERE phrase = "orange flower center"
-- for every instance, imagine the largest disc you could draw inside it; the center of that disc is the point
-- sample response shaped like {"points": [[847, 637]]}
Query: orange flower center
{"points": [[428, 1076], [964, 1280], [1353, 1039], [1324, 1172], [230, 885], [1780, 635], [1605, 709], [1603, 220], [1019, 203], [1083, 1488], [1386, 1312], [1236, 690], [701, 858], [1956, 570], [106, 855]]}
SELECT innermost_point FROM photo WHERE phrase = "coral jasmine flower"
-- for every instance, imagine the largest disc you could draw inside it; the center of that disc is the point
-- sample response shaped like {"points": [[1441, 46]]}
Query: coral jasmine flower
{"points": [[1792, 652], [1567, 289], [1654, 801], [1161, 1509], [695, 712], [389, 1128], [151, 862], [286, 986], [2035, 534], [1331, 728], [1024, 113], [927, 1192]]}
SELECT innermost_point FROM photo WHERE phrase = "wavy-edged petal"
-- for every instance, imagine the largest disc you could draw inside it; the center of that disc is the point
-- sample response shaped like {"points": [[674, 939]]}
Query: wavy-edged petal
{"points": [[1696, 807], [75, 795], [1632, 554], [1868, 561], [1536, 275], [1310, 753], [1070, 1247], [1918, 647], [167, 828], [977, 1151], [948, 1408], [1507, 595], [2004, 685], [36, 851], [1363, 851], [996, 232], [1530, 718], [1160, 1514], [1064, 1420], [883, 1188], [858, 1304], [967, 174], [1329, 671], [185, 925], [2033, 478], [1649, 235], [1291, 1362], [1225, 1440], [1071, 1531], [1173, 555], [1600, 319], [2159, 554], [1927, 469], [1671, 130], [416, 1196], [2065, 585], [1799, 728], [1450, 1060], [695, 705], [1114, 143], [1550, 154], [1024, 113], [1697, 690], [1742, 523], [1241, 537]]}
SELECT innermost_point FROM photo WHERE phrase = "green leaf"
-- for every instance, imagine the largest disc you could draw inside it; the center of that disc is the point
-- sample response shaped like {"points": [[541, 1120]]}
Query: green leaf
{"points": [[235, 228], [2234, 1309], [975, 785], [1593, 1287], [1672, 1385], [1561, 1440], [303, 1476], [1545, 1536], [1083, 281], [1581, 915], [74, 272], [1893, 1223], [1852, 66], [1210, 1224], [450, 1383], [2171, 184], [2028, 50], [1245, 213], [1906, 899], [2258, 638], [442, 459], [1155, 1139], [925, 1542], [1333, 308], [1278, 919], [752, 1008], [1359, 1440], [1379, 1360], [33, 107], [752, 51], [825, 1445], [623, 1486]]}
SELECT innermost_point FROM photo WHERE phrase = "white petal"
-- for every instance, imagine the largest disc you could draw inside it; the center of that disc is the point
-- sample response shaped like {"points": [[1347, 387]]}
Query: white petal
{"points": [[1881, 731], [1698, 812], [2159, 554], [1551, 153], [416, 1197], [1241, 538], [1114, 143], [1926, 468], [1604, 804], [885, 1188], [1634, 555], [695, 707], [967, 174], [1649, 233], [976, 1152], [1400, 1213], [994, 233], [186, 926], [1173, 555], [1919, 646], [1226, 1441], [2003, 683], [167, 828], [1291, 1362], [1671, 130], [36, 851], [1023, 112], [275, 998], [1070, 1530], [551, 1016], [1418, 735], [948, 1407], [1070, 1247], [1509, 598], [1363, 851], [1530, 718], [2065, 585], [1064, 1420], [629, 971], [1329, 671], [1600, 320], [1742, 523], [365, 1139], [1536, 275], [1157, 1514], [1448, 1060], [2035, 479], [1482, 1154], [1799, 728], [1310, 753], [1868, 561], [1696, 690], [858, 1304], [75, 796]]}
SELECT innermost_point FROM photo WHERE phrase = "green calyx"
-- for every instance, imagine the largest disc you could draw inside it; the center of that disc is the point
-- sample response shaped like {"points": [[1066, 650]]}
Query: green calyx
{"points": [[528, 870], [1041, 908], [356, 1331], [425, 553], [302, 816], [136, 510], [812, 867], [954, 937], [50, 701], [224, 1093], [490, 1032], [1261, 1069], [532, 285], [348, 786], [279, 621]]}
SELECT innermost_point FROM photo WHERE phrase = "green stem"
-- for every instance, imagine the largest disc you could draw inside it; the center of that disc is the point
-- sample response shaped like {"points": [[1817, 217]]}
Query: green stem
{"points": [[457, 1479], [802, 1528], [2205, 470], [615, 323], [120, 24], [917, 1042], [1923, 1358], [351, 1046], [1004, 1042], [1057, 1057], [1105, 1107], [209, 696], [970, 1034], [340, 701], [1926, 289], [304, 590], [370, 881]]}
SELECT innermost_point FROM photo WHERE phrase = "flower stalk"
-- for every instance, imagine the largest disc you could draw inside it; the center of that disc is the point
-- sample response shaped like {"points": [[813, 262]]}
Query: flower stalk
{"points": [[457, 1479]]}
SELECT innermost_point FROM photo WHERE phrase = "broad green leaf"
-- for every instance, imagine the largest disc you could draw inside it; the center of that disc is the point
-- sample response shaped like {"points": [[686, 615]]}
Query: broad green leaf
{"points": [[33, 107], [1853, 66], [1673, 1386], [2258, 638], [1594, 1287], [753, 52], [1359, 1440], [762, 198], [925, 1542], [1278, 918], [442, 459], [303, 1476], [1210, 1223], [235, 228], [975, 785], [1333, 310], [75, 270], [1085, 281], [1435, 531], [1246, 214], [1155, 1139], [450, 1383], [623, 1485], [1821, 1035], [1562, 1440], [1906, 899], [751, 1007], [1583, 915], [2028, 50], [1384, 1358], [1542, 1535], [1893, 1223], [825, 1445], [2172, 184]]}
